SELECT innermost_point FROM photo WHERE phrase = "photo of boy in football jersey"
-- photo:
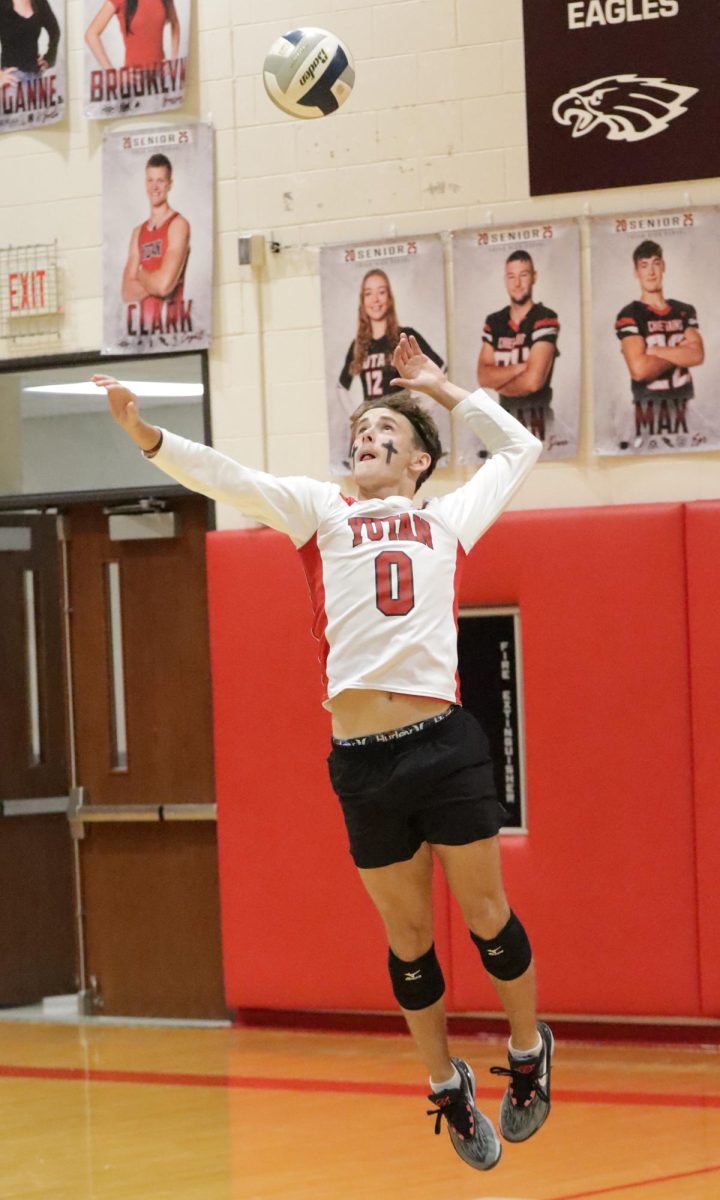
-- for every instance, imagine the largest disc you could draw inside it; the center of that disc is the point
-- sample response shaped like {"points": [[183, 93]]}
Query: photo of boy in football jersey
{"points": [[369, 357], [154, 276], [520, 347], [660, 342]]}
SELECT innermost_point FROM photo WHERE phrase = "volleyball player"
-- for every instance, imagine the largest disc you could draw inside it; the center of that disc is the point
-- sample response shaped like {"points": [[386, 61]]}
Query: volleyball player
{"points": [[142, 25], [519, 348], [410, 766], [21, 24], [660, 341], [157, 256]]}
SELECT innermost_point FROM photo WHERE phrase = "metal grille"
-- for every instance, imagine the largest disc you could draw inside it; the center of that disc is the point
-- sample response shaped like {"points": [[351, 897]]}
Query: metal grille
{"points": [[30, 300]]}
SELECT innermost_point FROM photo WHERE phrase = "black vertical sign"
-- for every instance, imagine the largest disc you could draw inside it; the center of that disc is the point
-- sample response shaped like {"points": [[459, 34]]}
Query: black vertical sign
{"points": [[621, 92], [489, 669]]}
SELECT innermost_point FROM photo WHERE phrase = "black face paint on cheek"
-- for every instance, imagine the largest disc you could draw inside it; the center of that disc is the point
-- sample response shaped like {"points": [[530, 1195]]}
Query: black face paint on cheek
{"points": [[390, 450], [353, 450]]}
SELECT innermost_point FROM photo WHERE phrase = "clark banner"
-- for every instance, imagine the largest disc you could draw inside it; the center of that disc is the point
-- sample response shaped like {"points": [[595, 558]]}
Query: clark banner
{"points": [[656, 348], [157, 239], [621, 92], [517, 328], [371, 293], [33, 84], [136, 56]]}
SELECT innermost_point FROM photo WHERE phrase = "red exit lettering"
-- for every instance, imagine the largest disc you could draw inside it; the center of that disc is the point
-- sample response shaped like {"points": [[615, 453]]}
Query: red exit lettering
{"points": [[27, 290]]}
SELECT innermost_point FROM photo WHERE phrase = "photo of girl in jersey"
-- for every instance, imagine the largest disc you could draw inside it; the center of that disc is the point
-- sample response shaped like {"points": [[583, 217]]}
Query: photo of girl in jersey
{"points": [[369, 357], [136, 58], [656, 395], [526, 350], [367, 288], [157, 280], [32, 76]]}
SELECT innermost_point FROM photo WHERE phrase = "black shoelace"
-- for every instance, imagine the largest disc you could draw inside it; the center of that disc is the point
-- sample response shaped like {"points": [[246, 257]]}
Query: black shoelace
{"points": [[524, 1082], [454, 1108]]}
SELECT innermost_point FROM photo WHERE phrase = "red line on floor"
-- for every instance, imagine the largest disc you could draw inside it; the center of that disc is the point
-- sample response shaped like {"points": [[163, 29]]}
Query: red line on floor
{"points": [[349, 1086], [640, 1183]]}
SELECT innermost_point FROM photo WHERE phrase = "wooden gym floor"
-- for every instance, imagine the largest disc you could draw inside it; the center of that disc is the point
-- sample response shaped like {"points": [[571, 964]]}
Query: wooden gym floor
{"points": [[106, 1112]]}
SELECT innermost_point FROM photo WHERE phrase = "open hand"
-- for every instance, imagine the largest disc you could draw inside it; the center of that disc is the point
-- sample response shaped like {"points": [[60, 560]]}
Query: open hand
{"points": [[416, 371], [123, 403]]}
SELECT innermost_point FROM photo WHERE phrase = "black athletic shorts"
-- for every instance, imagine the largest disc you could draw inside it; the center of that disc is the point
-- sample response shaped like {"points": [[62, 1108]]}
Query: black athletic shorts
{"points": [[433, 783]]}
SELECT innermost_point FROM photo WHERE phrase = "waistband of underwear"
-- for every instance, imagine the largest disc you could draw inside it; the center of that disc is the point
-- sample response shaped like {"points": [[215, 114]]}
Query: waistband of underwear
{"points": [[393, 735]]}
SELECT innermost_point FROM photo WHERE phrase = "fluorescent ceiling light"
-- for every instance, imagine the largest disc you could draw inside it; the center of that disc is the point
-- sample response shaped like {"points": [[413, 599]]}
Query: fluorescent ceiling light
{"points": [[139, 388]]}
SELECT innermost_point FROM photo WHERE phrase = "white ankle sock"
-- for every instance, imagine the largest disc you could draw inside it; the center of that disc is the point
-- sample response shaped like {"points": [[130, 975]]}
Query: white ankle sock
{"points": [[526, 1053], [453, 1082]]}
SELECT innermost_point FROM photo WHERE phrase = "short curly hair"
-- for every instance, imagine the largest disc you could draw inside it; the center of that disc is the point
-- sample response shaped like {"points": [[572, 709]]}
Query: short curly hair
{"points": [[426, 432]]}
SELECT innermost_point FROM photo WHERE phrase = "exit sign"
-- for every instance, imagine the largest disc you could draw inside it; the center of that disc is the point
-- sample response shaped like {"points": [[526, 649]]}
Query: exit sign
{"points": [[32, 292], [28, 281]]}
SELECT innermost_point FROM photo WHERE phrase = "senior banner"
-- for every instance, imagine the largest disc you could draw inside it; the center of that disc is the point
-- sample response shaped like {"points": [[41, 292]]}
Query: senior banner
{"points": [[621, 92], [371, 293], [157, 239], [517, 328], [656, 349], [32, 65], [136, 55]]}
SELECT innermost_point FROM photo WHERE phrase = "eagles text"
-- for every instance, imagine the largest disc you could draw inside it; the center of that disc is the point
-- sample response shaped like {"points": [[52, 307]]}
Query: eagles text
{"points": [[584, 13]]}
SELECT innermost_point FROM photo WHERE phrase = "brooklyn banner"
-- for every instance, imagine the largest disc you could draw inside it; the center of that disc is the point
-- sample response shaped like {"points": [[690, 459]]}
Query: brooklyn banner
{"points": [[621, 92], [157, 239], [136, 56], [656, 347], [517, 328], [33, 84], [371, 293]]}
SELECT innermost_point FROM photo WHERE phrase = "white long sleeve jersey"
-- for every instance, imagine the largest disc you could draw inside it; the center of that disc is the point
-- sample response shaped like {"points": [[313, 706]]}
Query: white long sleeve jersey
{"points": [[383, 574]]}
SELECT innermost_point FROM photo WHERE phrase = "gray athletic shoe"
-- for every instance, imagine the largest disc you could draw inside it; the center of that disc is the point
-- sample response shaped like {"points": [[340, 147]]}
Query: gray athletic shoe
{"points": [[526, 1102], [471, 1134]]}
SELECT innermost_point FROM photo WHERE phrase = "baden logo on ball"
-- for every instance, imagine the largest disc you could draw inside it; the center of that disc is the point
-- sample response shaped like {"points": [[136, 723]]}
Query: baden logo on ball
{"points": [[308, 73]]}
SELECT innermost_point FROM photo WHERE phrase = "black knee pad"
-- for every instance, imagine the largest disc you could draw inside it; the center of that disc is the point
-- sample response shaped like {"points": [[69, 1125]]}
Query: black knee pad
{"points": [[507, 955], [416, 984]]}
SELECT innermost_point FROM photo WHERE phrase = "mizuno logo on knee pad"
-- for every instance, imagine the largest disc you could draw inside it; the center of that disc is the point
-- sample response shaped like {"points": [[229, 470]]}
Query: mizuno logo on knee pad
{"points": [[419, 983]]}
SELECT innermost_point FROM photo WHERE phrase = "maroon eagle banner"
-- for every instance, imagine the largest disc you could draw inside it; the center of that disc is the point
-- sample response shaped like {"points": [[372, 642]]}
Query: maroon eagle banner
{"points": [[621, 92]]}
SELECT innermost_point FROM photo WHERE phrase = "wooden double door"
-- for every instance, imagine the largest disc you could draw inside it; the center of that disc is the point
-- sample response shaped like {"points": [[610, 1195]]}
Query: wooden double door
{"points": [[108, 856]]}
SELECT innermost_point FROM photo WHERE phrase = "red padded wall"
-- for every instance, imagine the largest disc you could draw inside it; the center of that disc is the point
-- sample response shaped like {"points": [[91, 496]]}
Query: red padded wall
{"points": [[605, 879], [703, 569], [298, 928]]}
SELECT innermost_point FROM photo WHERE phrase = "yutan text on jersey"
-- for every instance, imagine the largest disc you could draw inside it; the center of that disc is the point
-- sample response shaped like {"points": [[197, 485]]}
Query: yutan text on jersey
{"points": [[30, 101], [582, 14], [126, 85]]}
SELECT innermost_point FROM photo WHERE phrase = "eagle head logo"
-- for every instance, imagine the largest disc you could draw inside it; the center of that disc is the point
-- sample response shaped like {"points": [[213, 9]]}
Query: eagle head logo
{"points": [[632, 107]]}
